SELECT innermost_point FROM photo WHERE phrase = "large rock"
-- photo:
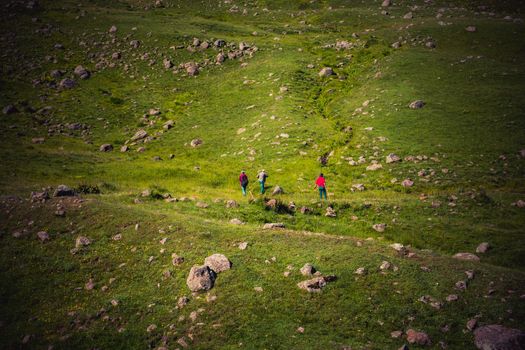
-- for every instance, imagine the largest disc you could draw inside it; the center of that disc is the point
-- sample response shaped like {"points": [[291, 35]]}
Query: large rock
{"points": [[63, 191], [419, 338], [218, 262], [466, 256], [315, 284], [497, 337], [386, 3], [200, 278]]}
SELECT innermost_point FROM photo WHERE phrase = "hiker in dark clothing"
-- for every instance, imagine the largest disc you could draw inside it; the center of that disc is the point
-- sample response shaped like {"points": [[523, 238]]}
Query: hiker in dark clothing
{"points": [[320, 183], [243, 179]]}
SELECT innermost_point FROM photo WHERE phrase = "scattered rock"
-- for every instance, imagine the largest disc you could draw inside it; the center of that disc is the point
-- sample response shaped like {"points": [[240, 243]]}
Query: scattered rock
{"points": [[466, 257], [183, 301], [43, 236], [392, 158], [139, 135], [419, 338], [273, 225], [176, 260], [308, 269], [231, 204], [407, 183], [81, 72], [106, 147], [63, 191], [277, 190], [472, 324], [218, 263], [316, 284], [200, 278], [201, 205], [243, 245], [379, 227], [418, 104], [67, 83], [326, 72], [9, 109], [483, 247], [330, 212], [236, 221], [195, 142], [386, 3], [471, 29], [385, 265], [82, 241], [360, 271], [497, 337]]}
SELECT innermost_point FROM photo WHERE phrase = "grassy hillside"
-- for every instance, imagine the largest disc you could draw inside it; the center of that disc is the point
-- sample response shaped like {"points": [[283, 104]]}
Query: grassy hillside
{"points": [[265, 107]]}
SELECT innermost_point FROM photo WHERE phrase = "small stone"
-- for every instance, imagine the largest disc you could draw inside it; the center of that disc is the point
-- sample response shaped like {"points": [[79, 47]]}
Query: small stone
{"points": [[385, 265], [151, 328], [236, 221], [360, 271], [273, 225], [243, 245], [417, 104], [82, 241], [326, 72], [176, 260], [106, 147], [315, 284], [483, 248], [452, 297], [89, 284], [379, 227], [258, 289], [466, 257], [396, 334], [471, 29], [43, 236], [472, 324]]}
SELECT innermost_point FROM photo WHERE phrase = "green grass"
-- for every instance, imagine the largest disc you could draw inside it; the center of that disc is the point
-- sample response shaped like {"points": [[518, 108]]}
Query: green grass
{"points": [[470, 131]]}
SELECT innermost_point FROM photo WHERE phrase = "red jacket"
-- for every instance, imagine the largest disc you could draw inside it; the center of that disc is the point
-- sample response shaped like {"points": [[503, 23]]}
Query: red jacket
{"points": [[243, 179], [320, 182]]}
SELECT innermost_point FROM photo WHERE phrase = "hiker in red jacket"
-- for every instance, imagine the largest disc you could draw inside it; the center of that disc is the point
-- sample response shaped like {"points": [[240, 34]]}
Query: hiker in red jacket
{"points": [[320, 183], [243, 179]]}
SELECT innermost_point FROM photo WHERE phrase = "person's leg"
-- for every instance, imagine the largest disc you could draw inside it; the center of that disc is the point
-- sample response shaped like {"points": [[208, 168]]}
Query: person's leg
{"points": [[321, 193], [243, 190], [324, 191]]}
